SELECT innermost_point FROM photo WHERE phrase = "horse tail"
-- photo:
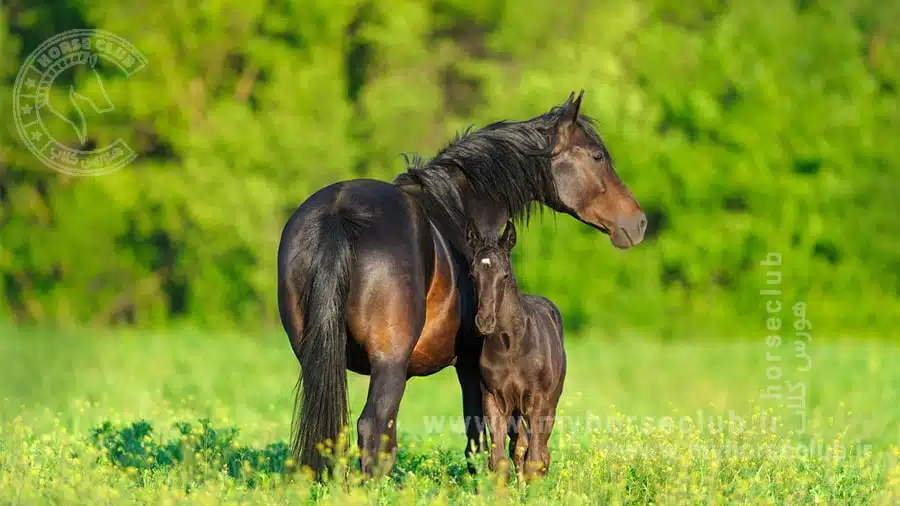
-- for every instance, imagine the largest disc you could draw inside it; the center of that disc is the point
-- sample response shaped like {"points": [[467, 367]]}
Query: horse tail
{"points": [[320, 406]]}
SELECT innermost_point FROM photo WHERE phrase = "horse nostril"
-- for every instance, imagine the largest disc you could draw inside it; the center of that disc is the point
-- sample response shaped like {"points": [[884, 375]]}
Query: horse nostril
{"points": [[484, 323], [642, 225]]}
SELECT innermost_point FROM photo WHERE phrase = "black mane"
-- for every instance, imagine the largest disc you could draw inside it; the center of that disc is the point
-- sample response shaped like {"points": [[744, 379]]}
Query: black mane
{"points": [[507, 164]]}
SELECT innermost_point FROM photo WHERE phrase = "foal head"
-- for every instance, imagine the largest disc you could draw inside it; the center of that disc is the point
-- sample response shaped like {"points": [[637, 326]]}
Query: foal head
{"points": [[492, 273]]}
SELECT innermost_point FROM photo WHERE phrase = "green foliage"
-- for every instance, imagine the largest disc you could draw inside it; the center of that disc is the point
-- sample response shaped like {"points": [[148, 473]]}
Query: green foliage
{"points": [[742, 128], [132, 447], [61, 392], [642, 477], [201, 446]]}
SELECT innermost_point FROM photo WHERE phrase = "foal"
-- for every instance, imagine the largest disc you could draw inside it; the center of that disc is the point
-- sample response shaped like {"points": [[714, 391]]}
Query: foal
{"points": [[523, 363]]}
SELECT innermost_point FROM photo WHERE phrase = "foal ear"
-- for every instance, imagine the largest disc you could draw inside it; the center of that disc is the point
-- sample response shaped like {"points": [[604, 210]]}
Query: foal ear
{"points": [[508, 239], [568, 121], [473, 237]]}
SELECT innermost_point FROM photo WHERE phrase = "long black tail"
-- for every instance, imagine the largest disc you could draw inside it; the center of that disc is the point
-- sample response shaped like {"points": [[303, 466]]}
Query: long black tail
{"points": [[321, 391]]}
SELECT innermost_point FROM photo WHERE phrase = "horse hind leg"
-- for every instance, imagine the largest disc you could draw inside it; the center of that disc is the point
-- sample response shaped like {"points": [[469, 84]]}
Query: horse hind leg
{"points": [[377, 424], [390, 342]]}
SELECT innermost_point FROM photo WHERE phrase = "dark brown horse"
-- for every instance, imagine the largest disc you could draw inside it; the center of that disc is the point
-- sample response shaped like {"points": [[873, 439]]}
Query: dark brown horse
{"points": [[374, 276], [523, 362]]}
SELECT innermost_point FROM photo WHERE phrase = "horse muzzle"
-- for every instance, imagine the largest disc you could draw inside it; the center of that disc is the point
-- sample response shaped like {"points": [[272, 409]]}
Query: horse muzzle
{"points": [[629, 231], [485, 324]]}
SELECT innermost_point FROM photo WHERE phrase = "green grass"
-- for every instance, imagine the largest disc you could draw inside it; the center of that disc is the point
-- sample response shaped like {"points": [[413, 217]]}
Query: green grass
{"points": [[56, 387]]}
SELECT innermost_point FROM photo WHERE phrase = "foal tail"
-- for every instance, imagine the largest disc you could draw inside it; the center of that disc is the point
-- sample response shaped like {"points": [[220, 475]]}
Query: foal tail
{"points": [[321, 391]]}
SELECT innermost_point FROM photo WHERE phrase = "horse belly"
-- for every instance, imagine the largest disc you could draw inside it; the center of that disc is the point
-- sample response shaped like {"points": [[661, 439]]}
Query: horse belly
{"points": [[436, 347]]}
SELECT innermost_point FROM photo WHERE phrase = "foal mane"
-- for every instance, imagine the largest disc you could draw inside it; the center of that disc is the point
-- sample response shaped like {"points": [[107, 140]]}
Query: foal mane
{"points": [[506, 163]]}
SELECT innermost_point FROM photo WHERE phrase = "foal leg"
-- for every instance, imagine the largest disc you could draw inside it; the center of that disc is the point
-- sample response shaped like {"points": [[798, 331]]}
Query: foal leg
{"points": [[513, 438], [523, 442], [538, 461], [497, 421], [377, 425]]}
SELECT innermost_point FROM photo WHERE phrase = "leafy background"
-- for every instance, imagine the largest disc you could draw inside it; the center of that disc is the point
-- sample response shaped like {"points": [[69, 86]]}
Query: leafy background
{"points": [[742, 127]]}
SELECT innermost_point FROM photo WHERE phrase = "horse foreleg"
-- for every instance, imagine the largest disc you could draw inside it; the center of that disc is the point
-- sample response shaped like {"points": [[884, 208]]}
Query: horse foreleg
{"points": [[497, 423], [469, 375], [540, 426]]}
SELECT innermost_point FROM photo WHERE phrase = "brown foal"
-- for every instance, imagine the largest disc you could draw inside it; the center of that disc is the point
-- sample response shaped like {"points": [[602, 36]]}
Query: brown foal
{"points": [[523, 363]]}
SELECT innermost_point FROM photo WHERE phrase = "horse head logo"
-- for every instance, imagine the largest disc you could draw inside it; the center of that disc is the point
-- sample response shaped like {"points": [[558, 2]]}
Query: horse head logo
{"points": [[100, 102]]}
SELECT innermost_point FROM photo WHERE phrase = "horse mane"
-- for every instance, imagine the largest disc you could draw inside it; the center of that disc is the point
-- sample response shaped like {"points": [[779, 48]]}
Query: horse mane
{"points": [[506, 163]]}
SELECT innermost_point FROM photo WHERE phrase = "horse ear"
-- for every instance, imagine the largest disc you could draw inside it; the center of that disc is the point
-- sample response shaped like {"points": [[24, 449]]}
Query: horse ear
{"points": [[572, 108], [569, 119], [473, 237], [508, 240]]}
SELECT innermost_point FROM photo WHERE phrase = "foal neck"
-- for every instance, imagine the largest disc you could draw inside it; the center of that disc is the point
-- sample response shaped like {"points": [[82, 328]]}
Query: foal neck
{"points": [[511, 315]]}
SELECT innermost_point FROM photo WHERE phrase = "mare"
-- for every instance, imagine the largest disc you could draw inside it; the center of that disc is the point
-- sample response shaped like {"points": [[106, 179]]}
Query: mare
{"points": [[373, 276]]}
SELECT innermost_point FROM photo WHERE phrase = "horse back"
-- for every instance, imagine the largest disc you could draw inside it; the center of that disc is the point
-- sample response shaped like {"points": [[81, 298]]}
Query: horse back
{"points": [[546, 315]]}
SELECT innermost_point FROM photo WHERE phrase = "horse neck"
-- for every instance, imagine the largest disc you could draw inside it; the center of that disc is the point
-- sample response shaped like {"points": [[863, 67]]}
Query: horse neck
{"points": [[488, 216], [511, 313], [454, 199]]}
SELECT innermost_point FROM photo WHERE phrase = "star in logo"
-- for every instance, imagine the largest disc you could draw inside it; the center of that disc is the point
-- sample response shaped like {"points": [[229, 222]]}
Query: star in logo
{"points": [[26, 109], [30, 83], [36, 136]]}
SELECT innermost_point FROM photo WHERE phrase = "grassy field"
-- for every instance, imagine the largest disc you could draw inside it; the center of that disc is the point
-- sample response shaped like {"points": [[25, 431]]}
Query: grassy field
{"points": [[641, 422]]}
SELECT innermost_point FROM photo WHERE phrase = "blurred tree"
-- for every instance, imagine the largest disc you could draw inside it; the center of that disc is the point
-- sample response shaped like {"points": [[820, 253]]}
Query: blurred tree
{"points": [[742, 128]]}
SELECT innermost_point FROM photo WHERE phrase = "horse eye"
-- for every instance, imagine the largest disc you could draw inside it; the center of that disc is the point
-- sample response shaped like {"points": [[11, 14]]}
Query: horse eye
{"points": [[598, 157]]}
